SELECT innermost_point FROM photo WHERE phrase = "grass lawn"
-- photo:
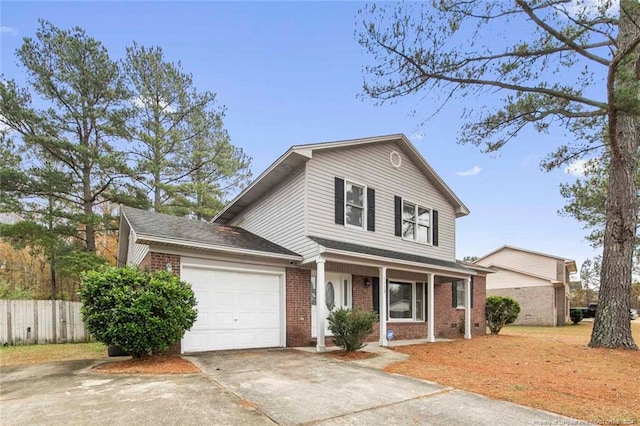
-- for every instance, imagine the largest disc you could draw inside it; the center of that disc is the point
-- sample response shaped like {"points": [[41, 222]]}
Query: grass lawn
{"points": [[542, 367], [34, 354]]}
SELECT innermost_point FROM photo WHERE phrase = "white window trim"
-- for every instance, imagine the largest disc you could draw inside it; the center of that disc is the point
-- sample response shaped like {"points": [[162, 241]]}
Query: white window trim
{"points": [[464, 296], [364, 205], [415, 229], [413, 301]]}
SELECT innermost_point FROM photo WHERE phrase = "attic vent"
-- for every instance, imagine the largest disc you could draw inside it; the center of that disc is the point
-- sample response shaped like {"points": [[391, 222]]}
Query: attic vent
{"points": [[396, 160]]}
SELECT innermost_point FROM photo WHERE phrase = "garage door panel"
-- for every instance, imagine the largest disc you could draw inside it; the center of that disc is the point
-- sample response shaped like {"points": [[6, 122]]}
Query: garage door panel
{"points": [[236, 310], [260, 338]]}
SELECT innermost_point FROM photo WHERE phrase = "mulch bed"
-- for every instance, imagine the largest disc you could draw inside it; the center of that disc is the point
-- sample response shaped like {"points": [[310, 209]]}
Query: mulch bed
{"points": [[163, 364]]}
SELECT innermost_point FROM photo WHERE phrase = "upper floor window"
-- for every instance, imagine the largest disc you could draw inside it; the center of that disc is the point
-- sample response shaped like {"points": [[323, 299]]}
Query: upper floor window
{"points": [[354, 208], [416, 222], [355, 205]]}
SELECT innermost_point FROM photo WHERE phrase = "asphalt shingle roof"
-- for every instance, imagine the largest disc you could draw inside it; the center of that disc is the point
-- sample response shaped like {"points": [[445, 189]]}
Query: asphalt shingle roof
{"points": [[160, 225], [356, 248]]}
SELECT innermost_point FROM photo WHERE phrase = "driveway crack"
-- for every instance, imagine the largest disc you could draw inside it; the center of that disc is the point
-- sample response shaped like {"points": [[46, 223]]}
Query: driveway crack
{"points": [[427, 396]]}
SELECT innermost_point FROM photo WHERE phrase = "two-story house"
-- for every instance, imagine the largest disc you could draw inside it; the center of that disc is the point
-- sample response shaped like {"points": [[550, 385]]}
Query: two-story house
{"points": [[539, 282], [363, 223]]}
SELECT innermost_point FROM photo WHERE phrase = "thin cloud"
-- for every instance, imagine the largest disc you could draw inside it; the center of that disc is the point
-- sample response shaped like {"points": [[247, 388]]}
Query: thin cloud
{"points": [[593, 8], [471, 172], [577, 168], [8, 30], [417, 136]]}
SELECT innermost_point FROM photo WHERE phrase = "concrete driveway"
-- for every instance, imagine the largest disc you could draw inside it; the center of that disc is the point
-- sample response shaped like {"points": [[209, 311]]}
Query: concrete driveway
{"points": [[67, 393], [293, 387], [245, 388]]}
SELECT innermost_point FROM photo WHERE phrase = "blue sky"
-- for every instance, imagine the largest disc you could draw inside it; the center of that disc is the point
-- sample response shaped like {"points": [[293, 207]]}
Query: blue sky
{"points": [[290, 73]]}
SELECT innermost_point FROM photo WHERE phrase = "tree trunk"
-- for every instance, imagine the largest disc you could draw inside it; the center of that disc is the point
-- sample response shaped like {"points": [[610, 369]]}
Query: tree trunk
{"points": [[53, 280], [90, 228], [612, 325], [157, 194]]}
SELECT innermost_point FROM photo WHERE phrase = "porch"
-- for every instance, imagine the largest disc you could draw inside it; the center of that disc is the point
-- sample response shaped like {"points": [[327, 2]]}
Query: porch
{"points": [[416, 301]]}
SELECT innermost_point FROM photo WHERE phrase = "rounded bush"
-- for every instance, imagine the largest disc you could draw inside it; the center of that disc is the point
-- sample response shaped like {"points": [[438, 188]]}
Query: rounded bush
{"points": [[500, 311], [576, 316], [350, 327], [141, 312]]}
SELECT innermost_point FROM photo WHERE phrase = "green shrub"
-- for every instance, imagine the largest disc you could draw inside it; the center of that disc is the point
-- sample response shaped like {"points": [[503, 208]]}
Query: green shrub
{"points": [[576, 316], [500, 311], [15, 291], [141, 312], [350, 327]]}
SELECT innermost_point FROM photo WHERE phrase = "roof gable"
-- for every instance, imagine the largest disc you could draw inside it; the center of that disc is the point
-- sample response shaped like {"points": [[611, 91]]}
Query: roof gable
{"points": [[520, 272], [297, 155], [508, 247]]}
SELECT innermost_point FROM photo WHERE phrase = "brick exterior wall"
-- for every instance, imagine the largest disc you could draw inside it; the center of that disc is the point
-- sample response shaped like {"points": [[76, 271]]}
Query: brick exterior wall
{"points": [[449, 322], [536, 303], [155, 262], [298, 307]]}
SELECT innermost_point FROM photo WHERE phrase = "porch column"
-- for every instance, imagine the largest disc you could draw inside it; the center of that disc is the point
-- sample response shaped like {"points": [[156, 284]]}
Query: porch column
{"points": [[467, 308], [431, 335], [320, 304], [383, 306]]}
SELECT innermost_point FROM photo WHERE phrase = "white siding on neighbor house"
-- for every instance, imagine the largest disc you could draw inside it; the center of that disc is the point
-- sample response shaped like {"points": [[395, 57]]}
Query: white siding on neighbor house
{"points": [[370, 165], [510, 279], [136, 252], [523, 261], [279, 215]]}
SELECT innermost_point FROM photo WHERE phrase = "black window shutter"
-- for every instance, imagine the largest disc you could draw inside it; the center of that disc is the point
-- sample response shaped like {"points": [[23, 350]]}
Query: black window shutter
{"points": [[435, 228], [375, 286], [371, 209], [398, 215], [339, 196], [454, 294], [471, 289]]}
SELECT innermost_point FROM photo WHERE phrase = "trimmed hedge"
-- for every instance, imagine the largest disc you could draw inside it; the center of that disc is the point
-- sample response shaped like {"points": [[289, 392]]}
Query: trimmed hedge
{"points": [[350, 327], [500, 311], [141, 312]]}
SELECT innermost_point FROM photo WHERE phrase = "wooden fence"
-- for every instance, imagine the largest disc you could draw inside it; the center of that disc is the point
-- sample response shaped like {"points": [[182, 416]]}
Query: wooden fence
{"points": [[28, 322]]}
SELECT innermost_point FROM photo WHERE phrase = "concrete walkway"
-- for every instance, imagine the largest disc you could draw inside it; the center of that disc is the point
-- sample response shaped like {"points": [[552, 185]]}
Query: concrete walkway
{"points": [[296, 387]]}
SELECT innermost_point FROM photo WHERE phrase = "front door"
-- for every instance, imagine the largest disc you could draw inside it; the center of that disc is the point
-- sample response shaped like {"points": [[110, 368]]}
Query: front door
{"points": [[337, 295]]}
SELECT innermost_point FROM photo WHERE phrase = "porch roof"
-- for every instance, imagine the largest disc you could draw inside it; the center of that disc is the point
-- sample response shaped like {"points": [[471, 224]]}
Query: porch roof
{"points": [[389, 254]]}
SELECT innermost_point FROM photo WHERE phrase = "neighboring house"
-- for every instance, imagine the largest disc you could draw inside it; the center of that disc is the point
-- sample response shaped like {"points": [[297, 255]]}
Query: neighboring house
{"points": [[538, 281], [363, 223]]}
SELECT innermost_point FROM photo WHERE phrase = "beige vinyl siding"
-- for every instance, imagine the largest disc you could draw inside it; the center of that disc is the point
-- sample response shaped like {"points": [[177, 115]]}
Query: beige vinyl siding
{"points": [[510, 279], [370, 165], [523, 261], [279, 215]]}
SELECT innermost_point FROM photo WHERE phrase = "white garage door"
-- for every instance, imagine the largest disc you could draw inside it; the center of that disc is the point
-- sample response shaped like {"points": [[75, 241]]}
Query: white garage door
{"points": [[236, 309]]}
